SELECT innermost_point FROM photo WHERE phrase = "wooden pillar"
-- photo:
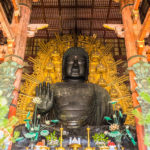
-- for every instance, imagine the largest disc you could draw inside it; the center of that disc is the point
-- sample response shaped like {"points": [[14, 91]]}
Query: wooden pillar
{"points": [[20, 31], [131, 50]]}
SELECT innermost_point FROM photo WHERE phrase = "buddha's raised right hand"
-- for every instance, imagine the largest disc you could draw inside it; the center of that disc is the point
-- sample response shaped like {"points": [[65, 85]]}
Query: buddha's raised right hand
{"points": [[43, 91]]}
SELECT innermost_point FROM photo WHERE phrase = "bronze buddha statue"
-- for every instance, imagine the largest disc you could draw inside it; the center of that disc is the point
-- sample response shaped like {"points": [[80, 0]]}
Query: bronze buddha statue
{"points": [[74, 102]]}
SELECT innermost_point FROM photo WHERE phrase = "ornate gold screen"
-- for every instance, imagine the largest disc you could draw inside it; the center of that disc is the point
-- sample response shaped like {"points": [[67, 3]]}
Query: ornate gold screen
{"points": [[47, 67]]}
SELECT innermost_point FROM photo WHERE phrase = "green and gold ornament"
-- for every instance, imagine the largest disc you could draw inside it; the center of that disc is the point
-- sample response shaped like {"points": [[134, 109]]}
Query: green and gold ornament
{"points": [[114, 126]]}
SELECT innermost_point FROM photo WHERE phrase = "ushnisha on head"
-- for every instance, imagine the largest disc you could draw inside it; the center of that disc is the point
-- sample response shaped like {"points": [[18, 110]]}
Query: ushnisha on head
{"points": [[75, 65]]}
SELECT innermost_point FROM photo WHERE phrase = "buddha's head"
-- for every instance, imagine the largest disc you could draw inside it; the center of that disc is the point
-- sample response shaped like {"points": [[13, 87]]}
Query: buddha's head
{"points": [[75, 65]]}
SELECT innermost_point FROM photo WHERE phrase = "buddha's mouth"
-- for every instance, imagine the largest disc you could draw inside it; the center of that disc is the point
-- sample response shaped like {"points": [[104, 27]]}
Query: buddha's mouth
{"points": [[75, 70]]}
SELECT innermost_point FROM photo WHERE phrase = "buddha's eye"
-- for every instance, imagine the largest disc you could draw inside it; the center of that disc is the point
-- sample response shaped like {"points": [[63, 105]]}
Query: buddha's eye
{"points": [[81, 61], [69, 61]]}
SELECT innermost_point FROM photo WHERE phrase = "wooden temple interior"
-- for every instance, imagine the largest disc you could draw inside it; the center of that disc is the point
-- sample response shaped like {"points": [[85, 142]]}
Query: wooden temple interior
{"points": [[123, 24]]}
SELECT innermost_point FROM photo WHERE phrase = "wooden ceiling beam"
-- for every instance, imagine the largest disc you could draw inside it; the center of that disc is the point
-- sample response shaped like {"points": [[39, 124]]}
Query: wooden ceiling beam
{"points": [[73, 18], [94, 29], [73, 6], [53, 36]]}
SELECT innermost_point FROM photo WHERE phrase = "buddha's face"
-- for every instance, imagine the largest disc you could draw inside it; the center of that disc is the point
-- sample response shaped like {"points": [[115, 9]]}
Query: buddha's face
{"points": [[75, 67]]}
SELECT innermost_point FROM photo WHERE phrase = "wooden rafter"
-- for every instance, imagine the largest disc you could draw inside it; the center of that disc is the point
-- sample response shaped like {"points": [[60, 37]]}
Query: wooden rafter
{"points": [[92, 16], [136, 11], [32, 45], [108, 12], [145, 27], [136, 4], [16, 11], [5, 26], [44, 17], [15, 4], [76, 28], [92, 9], [60, 17], [119, 47]]}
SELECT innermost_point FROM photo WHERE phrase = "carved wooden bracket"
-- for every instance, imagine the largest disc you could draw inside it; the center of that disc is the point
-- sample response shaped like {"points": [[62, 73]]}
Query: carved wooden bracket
{"points": [[144, 32], [16, 15], [135, 16], [118, 28], [145, 27], [16, 10], [5, 26], [3, 50], [10, 46], [33, 28], [35, 0], [147, 50]]}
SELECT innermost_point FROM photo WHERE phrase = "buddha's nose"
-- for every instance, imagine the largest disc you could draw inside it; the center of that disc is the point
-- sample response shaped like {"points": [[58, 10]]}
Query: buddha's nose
{"points": [[75, 64], [75, 67]]}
